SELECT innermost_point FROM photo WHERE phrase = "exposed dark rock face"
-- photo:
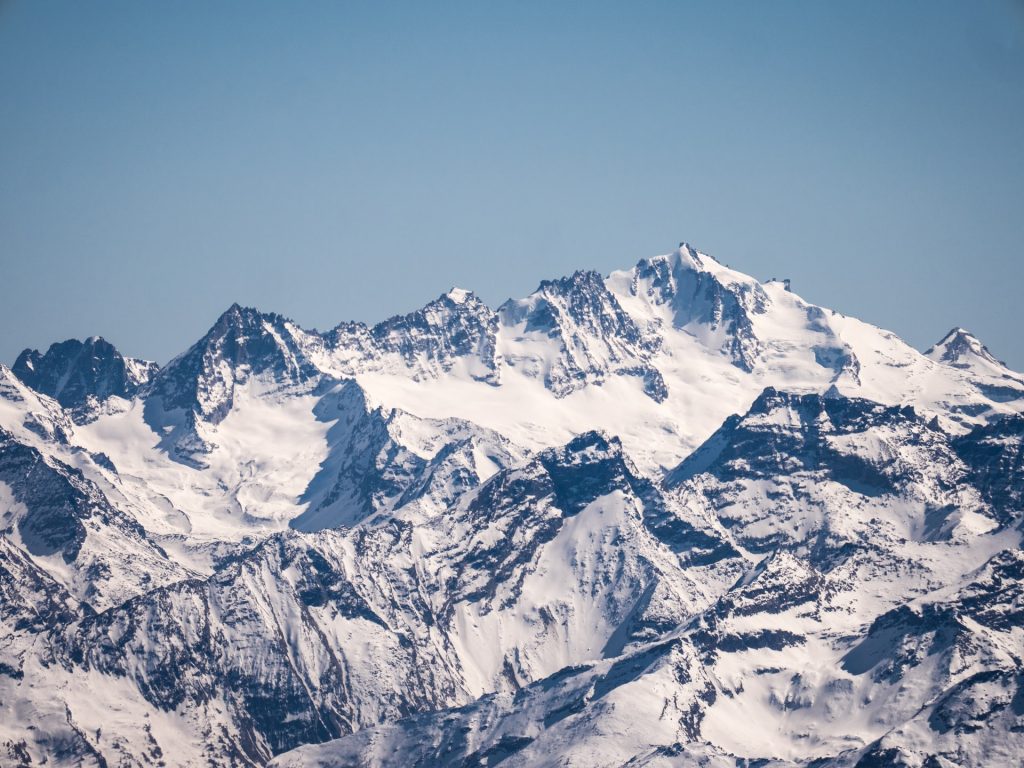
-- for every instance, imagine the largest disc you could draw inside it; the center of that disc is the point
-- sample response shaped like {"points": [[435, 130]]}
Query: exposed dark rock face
{"points": [[242, 343], [55, 501], [455, 325], [698, 297], [759, 445], [995, 454], [594, 336], [794, 444], [76, 373], [960, 348]]}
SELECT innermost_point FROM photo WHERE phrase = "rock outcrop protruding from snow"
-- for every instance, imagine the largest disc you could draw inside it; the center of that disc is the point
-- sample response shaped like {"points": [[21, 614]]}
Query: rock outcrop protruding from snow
{"points": [[195, 392], [98, 553], [962, 349], [704, 301], [589, 335], [77, 374], [242, 343], [794, 466], [456, 327]]}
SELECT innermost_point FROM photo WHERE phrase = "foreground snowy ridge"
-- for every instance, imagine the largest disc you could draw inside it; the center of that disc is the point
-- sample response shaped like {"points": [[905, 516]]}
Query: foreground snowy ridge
{"points": [[671, 516]]}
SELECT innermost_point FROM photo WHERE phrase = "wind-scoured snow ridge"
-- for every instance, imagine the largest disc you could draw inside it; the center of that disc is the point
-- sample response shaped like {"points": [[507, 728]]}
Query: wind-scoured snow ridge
{"points": [[671, 516], [30, 415]]}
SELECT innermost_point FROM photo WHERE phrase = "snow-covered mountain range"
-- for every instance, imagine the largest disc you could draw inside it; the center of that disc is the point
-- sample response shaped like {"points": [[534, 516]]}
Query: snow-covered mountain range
{"points": [[672, 516]]}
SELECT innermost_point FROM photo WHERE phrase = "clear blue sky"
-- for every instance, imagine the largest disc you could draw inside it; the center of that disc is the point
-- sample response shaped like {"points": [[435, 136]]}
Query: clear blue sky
{"points": [[334, 161]]}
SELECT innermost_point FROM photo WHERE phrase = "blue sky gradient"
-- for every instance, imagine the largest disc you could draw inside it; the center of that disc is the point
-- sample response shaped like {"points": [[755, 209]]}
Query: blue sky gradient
{"points": [[337, 160]]}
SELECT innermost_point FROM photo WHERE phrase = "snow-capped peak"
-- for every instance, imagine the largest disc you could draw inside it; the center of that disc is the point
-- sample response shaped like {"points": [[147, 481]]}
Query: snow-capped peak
{"points": [[76, 372], [961, 348], [689, 256], [201, 382], [459, 295], [236, 315]]}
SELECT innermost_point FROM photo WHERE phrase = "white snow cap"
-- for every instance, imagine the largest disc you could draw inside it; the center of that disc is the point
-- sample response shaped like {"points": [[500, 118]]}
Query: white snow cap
{"points": [[960, 346], [459, 295], [689, 255]]}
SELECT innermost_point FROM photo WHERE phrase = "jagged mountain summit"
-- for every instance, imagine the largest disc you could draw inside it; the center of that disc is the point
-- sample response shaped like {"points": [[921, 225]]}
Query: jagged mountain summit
{"points": [[963, 349], [78, 373], [670, 516]]}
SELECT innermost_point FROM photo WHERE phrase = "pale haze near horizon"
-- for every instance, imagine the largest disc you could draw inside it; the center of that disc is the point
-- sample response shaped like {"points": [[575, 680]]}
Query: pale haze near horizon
{"points": [[342, 161]]}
